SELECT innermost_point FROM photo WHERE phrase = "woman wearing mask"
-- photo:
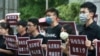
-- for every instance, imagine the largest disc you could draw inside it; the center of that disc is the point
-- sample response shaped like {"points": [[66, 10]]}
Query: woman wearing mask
{"points": [[65, 32], [5, 30]]}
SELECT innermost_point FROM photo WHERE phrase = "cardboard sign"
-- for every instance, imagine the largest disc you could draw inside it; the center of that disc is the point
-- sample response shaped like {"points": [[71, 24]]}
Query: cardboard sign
{"points": [[72, 24], [98, 48], [11, 42], [12, 19], [53, 48], [77, 45], [34, 46], [22, 46]]}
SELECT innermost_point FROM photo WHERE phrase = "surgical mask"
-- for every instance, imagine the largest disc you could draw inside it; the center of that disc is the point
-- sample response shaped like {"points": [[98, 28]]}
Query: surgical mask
{"points": [[64, 35], [48, 20], [83, 18]]}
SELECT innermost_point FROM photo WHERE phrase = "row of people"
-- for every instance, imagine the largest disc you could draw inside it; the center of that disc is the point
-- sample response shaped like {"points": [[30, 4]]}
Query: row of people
{"points": [[30, 28]]}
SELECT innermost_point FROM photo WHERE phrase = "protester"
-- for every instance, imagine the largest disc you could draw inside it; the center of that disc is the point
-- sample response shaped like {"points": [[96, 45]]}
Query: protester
{"points": [[32, 26], [90, 27], [5, 30], [22, 29], [21, 32], [52, 17]]}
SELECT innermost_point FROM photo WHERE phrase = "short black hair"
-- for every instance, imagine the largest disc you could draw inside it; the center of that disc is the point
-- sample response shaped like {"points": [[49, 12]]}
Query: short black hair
{"points": [[69, 28], [22, 23], [91, 7], [7, 26], [34, 21], [52, 10]]}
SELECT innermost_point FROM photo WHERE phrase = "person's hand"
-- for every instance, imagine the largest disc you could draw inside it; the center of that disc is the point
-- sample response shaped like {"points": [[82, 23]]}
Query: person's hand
{"points": [[88, 43], [65, 49], [0, 50], [94, 42], [44, 46]]}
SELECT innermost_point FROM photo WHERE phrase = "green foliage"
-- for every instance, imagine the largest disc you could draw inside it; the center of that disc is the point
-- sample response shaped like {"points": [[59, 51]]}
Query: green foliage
{"points": [[69, 12], [31, 8], [36, 8]]}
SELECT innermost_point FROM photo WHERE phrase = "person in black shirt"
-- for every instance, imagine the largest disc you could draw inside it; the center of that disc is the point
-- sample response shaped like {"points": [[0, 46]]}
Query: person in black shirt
{"points": [[22, 29], [5, 30], [90, 27], [52, 18], [22, 32], [32, 26], [54, 30]]}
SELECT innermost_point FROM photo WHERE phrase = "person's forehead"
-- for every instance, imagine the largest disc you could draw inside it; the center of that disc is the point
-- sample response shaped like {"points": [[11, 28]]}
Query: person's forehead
{"points": [[30, 23], [84, 10], [50, 13]]}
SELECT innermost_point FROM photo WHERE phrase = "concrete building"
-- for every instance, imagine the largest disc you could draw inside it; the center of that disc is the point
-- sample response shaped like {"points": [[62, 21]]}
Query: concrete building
{"points": [[8, 6]]}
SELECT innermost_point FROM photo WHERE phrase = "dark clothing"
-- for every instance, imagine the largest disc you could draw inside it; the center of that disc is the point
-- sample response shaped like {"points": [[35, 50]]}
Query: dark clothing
{"points": [[39, 37], [92, 32], [25, 35], [3, 46], [53, 33]]}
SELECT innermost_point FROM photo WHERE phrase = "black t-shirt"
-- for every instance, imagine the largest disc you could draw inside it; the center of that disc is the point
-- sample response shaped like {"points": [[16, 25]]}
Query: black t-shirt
{"points": [[39, 36], [25, 35], [92, 32], [3, 46], [53, 33]]}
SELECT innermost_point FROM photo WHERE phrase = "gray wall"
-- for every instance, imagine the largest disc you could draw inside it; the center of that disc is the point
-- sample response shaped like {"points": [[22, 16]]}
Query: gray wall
{"points": [[7, 6]]}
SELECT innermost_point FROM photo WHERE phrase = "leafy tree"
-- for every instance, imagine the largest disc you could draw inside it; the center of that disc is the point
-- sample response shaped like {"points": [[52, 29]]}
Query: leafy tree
{"points": [[69, 12], [36, 8]]}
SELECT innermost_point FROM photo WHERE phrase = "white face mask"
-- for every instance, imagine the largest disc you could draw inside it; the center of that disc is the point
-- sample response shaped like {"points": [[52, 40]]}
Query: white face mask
{"points": [[64, 35], [83, 18]]}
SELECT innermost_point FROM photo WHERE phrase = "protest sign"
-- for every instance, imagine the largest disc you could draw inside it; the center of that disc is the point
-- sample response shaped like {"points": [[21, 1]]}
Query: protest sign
{"points": [[98, 48], [34, 46], [77, 45], [22, 46], [12, 18], [53, 48], [11, 41]]}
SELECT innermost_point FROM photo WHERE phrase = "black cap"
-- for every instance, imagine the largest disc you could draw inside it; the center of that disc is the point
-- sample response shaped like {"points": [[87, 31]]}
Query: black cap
{"points": [[22, 22]]}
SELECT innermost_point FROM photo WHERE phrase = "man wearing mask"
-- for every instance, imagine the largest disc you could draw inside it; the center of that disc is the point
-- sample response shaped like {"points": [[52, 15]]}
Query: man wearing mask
{"points": [[52, 17], [90, 27]]}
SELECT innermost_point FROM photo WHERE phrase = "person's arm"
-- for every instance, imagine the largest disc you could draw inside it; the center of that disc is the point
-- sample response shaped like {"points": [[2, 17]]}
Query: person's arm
{"points": [[65, 47], [6, 51]]}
